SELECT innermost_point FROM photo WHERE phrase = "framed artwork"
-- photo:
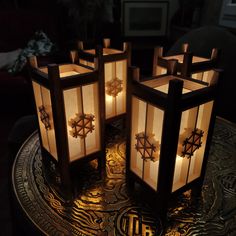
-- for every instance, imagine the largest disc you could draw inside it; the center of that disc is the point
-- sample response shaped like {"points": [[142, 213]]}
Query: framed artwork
{"points": [[228, 14], [145, 18]]}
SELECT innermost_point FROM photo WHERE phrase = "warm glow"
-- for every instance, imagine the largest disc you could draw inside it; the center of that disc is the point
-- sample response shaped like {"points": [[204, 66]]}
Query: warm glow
{"points": [[188, 169], [164, 89], [149, 119], [162, 84], [68, 70], [179, 177], [82, 100], [114, 87], [43, 98], [110, 106], [180, 58], [115, 80], [206, 76], [115, 74], [106, 51], [160, 70], [168, 128], [109, 99], [81, 125], [68, 73]]}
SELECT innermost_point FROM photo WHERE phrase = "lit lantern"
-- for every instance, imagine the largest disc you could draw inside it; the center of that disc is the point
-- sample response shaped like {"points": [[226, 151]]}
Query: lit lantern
{"points": [[69, 114], [114, 73], [196, 67], [169, 129]]}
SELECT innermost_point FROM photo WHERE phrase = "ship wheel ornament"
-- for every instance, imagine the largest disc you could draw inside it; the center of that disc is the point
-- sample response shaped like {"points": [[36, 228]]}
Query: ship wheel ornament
{"points": [[145, 147], [81, 125], [44, 117], [192, 143], [114, 87]]}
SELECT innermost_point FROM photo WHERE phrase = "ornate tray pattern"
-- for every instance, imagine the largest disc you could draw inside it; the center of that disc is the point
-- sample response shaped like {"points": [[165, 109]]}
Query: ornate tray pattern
{"points": [[105, 207]]}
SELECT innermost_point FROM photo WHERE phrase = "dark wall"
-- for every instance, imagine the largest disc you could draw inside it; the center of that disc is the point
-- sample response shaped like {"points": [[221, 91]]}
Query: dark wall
{"points": [[211, 12], [201, 42]]}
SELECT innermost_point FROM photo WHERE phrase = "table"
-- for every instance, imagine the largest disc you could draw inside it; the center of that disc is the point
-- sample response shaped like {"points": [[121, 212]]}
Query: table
{"points": [[105, 207]]}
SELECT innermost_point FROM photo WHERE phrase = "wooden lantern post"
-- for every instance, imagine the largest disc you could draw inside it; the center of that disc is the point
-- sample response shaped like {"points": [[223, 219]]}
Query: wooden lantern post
{"points": [[114, 73], [70, 116], [169, 130], [189, 65]]}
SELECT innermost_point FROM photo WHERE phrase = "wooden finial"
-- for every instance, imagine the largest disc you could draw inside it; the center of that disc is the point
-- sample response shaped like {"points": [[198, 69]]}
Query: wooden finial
{"points": [[98, 58], [135, 73], [185, 47], [80, 45], [73, 56], [172, 67], [33, 61], [127, 48], [215, 77], [187, 64], [158, 52], [106, 43], [214, 53]]}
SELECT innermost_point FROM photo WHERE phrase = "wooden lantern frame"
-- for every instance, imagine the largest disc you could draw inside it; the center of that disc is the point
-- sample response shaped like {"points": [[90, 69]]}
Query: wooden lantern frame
{"points": [[75, 76], [109, 55], [188, 64], [173, 103]]}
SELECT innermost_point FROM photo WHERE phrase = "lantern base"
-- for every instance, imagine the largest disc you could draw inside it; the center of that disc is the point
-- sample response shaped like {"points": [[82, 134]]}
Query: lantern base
{"points": [[78, 171], [103, 207]]}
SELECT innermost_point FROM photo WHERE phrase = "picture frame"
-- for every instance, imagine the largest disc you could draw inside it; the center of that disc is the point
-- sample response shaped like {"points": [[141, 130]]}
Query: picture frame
{"points": [[145, 18], [228, 14]]}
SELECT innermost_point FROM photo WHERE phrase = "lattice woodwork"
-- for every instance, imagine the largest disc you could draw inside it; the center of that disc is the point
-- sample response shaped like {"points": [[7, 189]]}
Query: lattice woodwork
{"points": [[81, 125], [192, 143], [145, 147], [44, 117], [114, 87]]}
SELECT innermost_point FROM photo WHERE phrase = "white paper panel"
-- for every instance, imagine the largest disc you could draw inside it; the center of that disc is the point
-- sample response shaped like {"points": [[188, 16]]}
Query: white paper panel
{"points": [[198, 76], [203, 121], [208, 75], [86, 63], [153, 130], [151, 170], [160, 70], [73, 106], [90, 104], [42, 97], [120, 104], [38, 101], [110, 106], [46, 99], [110, 101], [121, 73], [164, 88], [187, 125], [180, 173], [138, 125]]}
